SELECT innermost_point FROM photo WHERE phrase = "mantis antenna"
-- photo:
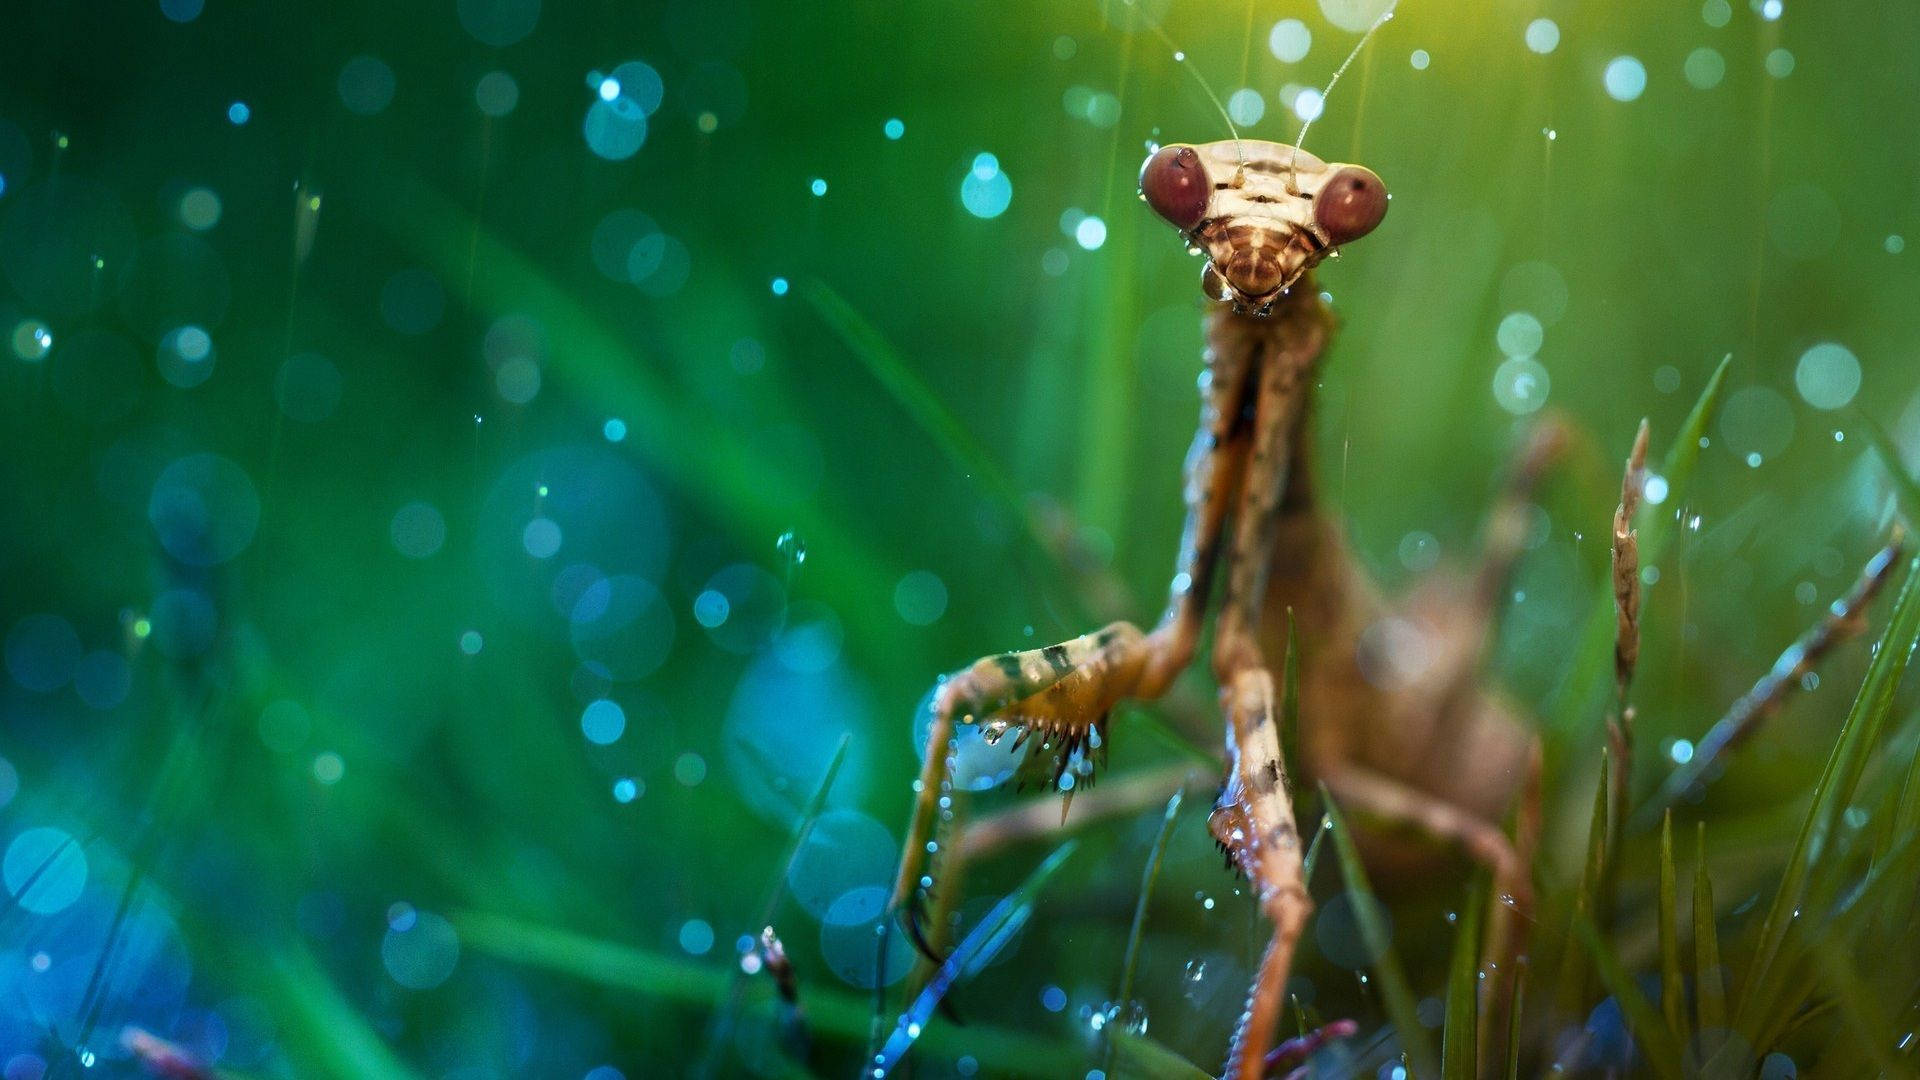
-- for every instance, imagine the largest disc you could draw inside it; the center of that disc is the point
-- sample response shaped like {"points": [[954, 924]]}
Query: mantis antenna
{"points": [[1180, 57], [1307, 125]]}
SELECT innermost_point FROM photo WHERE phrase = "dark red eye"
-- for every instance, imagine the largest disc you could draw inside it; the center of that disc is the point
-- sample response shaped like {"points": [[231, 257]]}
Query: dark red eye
{"points": [[1174, 184], [1350, 204]]}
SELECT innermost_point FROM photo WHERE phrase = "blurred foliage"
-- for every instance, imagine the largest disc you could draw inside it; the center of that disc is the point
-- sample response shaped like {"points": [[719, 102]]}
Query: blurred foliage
{"points": [[366, 424]]}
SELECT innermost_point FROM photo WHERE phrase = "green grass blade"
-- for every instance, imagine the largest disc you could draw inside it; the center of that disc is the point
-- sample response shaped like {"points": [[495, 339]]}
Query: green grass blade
{"points": [[1515, 1024], [1575, 975], [1673, 987], [1458, 1035], [981, 942], [1831, 794], [1313, 852], [721, 1026], [1657, 1045], [884, 362], [1903, 481], [1136, 1057], [321, 1028], [1709, 981], [1395, 992], [1865, 1021], [1147, 878], [683, 981], [1658, 523]]}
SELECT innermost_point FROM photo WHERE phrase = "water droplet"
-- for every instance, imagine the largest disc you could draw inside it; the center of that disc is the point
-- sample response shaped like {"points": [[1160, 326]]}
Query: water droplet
{"points": [[791, 547]]}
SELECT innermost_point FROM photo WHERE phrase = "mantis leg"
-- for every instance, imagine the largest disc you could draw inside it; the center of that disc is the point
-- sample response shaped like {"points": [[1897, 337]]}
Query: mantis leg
{"points": [[1253, 821], [1057, 699], [1253, 818], [1511, 906]]}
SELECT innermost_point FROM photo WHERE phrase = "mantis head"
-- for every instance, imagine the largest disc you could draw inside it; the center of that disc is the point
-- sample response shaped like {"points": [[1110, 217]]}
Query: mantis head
{"points": [[1263, 213]]}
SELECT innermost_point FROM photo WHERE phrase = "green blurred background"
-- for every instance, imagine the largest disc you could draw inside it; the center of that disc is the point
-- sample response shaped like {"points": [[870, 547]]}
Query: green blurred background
{"points": [[466, 464]]}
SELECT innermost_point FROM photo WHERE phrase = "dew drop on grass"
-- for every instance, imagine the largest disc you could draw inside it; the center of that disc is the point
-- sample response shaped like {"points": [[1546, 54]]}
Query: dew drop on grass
{"points": [[791, 547]]}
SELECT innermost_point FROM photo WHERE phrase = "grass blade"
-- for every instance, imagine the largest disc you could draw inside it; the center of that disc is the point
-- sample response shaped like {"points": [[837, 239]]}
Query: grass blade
{"points": [[1136, 1057], [1831, 794], [1709, 981], [982, 942], [1903, 481], [1458, 1035], [884, 362], [1514, 1028], [1657, 1046], [721, 1026], [1394, 990], [691, 983], [1147, 878], [1673, 987], [1657, 524], [1588, 899]]}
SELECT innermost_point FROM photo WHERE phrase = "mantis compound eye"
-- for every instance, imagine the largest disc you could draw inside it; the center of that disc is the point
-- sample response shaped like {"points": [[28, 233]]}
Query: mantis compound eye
{"points": [[1350, 204], [1175, 184]]}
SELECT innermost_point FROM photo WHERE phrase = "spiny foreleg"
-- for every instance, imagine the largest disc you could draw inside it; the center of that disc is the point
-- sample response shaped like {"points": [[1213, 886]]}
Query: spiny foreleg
{"points": [[1056, 701]]}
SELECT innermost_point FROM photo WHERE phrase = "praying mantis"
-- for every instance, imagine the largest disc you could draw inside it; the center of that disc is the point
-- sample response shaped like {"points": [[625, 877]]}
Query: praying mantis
{"points": [[1394, 718]]}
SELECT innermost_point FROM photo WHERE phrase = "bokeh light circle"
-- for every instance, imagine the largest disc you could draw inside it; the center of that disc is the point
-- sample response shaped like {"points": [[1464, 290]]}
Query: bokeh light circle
{"points": [[614, 241], [985, 191], [1704, 68], [780, 731], [60, 243], [623, 624], [366, 85], [920, 598], [1519, 334], [185, 357], [603, 722], [848, 934], [499, 23], [1521, 385], [614, 130], [1827, 376], [745, 609], [1625, 78], [1756, 420], [845, 850], [496, 94], [102, 679], [423, 955], [44, 870], [204, 509], [418, 530], [1354, 16], [611, 519], [638, 82], [1289, 40], [200, 209], [41, 652]]}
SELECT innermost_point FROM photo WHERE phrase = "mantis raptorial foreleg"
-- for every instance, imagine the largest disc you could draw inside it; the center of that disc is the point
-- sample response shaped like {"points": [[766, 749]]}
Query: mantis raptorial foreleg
{"points": [[1058, 698]]}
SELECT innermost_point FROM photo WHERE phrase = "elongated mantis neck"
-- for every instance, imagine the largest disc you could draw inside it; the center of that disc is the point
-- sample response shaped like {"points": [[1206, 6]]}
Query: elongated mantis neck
{"points": [[1295, 333]]}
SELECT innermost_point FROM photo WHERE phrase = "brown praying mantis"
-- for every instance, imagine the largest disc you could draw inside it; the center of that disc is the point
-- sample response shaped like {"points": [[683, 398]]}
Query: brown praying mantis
{"points": [[1395, 721]]}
